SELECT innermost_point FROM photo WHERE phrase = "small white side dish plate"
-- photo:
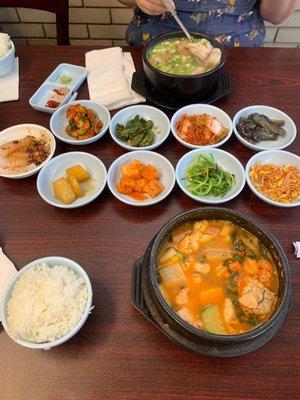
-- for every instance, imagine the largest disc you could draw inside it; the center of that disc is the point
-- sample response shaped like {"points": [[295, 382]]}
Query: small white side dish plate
{"points": [[278, 157], [52, 261], [58, 122], [20, 131], [272, 113], [159, 118], [57, 169], [164, 167], [225, 160], [199, 109], [7, 62], [77, 73]]}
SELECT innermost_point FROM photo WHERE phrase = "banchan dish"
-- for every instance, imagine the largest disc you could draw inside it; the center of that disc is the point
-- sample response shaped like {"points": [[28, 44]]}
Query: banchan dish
{"points": [[183, 85], [147, 297]]}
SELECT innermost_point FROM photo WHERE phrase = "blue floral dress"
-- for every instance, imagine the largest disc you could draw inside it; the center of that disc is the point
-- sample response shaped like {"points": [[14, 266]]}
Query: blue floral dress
{"points": [[231, 22]]}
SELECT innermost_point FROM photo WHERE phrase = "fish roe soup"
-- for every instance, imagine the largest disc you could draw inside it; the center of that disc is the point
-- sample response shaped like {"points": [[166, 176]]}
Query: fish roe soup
{"points": [[218, 277]]}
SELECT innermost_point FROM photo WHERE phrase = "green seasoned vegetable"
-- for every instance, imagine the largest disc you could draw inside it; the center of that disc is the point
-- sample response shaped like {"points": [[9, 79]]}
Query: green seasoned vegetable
{"points": [[212, 320], [205, 177], [65, 79], [137, 132]]}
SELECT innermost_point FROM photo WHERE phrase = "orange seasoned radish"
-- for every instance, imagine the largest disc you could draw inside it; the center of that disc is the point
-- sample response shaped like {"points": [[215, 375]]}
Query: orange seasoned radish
{"points": [[130, 171], [149, 172], [137, 165], [138, 196], [140, 185], [153, 188], [75, 185], [123, 186]]}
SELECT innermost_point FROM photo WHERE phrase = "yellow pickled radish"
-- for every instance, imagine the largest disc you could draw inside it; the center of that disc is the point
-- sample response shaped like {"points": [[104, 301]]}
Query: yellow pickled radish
{"points": [[63, 191], [78, 172], [75, 185]]}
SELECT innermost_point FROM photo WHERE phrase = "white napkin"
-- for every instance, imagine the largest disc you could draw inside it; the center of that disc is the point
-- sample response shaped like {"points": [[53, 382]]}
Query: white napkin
{"points": [[9, 84], [110, 75], [297, 249], [7, 271]]}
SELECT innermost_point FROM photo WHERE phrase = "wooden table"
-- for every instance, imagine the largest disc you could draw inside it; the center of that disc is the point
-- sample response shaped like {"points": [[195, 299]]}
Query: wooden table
{"points": [[118, 354]]}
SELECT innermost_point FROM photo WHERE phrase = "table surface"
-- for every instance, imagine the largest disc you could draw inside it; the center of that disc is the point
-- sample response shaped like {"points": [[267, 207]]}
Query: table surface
{"points": [[118, 354]]}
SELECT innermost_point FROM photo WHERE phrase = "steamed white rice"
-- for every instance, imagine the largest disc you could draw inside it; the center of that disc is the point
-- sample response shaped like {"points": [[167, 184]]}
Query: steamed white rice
{"points": [[46, 303], [5, 44]]}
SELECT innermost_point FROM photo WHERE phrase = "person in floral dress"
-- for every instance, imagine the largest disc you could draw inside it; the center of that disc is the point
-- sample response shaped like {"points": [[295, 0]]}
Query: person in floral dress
{"points": [[231, 22]]}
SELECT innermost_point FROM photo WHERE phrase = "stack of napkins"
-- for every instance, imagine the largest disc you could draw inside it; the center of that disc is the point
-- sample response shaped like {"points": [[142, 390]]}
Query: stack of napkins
{"points": [[297, 249], [7, 271], [110, 75], [9, 84]]}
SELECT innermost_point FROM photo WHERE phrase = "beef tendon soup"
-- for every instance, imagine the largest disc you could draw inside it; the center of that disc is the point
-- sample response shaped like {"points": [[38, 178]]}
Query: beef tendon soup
{"points": [[179, 56], [218, 277]]}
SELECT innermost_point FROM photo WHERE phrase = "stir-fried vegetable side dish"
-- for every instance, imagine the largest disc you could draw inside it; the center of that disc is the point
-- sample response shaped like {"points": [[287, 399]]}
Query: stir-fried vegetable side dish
{"points": [[139, 181], [257, 127], [218, 277], [179, 56], [83, 122], [205, 177], [201, 129], [137, 132], [278, 183]]}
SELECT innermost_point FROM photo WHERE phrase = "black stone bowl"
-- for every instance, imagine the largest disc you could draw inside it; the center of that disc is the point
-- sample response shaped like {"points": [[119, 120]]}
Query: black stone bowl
{"points": [[183, 85], [189, 337]]}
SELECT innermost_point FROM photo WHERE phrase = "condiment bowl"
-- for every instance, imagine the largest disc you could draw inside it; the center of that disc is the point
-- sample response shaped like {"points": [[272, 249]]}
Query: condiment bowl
{"points": [[57, 169], [18, 132], [226, 161], [272, 113], [278, 157], [164, 167], [7, 62], [51, 261], [58, 122], [159, 118], [199, 109]]}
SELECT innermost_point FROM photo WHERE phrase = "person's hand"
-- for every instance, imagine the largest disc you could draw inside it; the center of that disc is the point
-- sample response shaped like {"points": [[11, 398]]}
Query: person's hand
{"points": [[151, 7]]}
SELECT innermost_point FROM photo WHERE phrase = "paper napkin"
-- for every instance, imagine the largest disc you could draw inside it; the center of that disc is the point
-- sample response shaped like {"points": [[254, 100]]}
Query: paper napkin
{"points": [[110, 75], [7, 271], [9, 84], [297, 249]]}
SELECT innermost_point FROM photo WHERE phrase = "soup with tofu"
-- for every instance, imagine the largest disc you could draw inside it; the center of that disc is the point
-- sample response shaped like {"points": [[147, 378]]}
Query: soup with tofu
{"points": [[218, 277], [179, 56]]}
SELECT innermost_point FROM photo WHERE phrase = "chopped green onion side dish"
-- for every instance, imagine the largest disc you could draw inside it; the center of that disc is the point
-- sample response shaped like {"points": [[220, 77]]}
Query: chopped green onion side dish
{"points": [[205, 177]]}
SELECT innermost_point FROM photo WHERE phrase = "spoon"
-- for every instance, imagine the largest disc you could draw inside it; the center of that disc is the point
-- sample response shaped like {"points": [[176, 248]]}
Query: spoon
{"points": [[171, 8]]}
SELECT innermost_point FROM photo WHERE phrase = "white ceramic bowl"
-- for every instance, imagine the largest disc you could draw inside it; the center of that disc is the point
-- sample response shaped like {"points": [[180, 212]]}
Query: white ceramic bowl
{"points": [[225, 160], [272, 113], [272, 157], [7, 62], [20, 131], [159, 118], [52, 261], [58, 122], [164, 167], [221, 116], [57, 169]]}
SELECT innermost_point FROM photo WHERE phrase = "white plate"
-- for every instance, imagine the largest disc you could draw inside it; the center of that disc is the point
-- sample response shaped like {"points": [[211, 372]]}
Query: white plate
{"points": [[52, 261], [57, 169], [225, 160], [272, 113], [278, 157], [20, 131], [164, 167], [216, 112], [58, 122], [158, 117]]}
